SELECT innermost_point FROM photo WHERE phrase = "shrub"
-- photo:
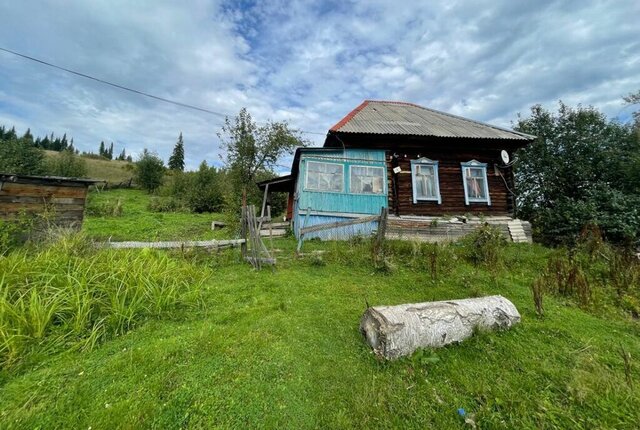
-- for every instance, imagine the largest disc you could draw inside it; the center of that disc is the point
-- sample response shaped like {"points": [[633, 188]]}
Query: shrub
{"points": [[66, 163], [106, 208], [165, 204], [15, 232], [484, 245], [149, 171], [204, 195], [17, 156]]}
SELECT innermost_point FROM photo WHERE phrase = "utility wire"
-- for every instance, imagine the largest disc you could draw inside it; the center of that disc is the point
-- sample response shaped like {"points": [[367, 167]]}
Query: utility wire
{"points": [[142, 93]]}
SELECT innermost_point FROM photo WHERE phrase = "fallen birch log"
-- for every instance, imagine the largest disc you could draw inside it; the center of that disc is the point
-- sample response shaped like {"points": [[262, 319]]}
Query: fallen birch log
{"points": [[396, 331]]}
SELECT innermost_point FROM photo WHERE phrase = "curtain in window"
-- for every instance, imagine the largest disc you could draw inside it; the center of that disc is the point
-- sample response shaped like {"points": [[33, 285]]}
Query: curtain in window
{"points": [[426, 182], [475, 177]]}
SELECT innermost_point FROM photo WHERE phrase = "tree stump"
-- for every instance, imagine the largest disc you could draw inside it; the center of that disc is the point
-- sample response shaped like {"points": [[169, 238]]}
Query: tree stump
{"points": [[396, 331]]}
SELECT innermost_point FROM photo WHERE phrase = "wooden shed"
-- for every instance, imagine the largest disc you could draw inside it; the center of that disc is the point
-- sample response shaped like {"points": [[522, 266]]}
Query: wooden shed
{"points": [[60, 200]]}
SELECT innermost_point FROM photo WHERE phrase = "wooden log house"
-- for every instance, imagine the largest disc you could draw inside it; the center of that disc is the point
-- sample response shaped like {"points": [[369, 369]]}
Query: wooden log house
{"points": [[439, 174]]}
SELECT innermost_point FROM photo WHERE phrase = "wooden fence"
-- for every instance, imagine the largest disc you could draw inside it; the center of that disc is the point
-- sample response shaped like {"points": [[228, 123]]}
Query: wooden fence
{"points": [[381, 219]]}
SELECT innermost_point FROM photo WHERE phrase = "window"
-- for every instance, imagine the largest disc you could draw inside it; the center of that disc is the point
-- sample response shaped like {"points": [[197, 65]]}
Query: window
{"points": [[424, 178], [474, 178], [324, 176], [367, 180]]}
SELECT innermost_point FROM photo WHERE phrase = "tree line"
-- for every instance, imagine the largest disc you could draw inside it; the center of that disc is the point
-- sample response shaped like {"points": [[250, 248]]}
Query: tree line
{"points": [[582, 174]]}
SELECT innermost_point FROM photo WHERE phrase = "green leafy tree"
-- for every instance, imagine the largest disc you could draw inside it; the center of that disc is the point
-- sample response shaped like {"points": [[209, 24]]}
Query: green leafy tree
{"points": [[634, 99], [576, 173], [66, 163], [176, 161], [251, 149], [16, 156], [149, 171], [204, 194]]}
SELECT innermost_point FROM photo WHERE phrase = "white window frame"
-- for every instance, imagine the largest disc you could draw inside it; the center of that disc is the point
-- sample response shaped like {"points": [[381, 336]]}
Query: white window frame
{"points": [[306, 179], [476, 165], [414, 169], [384, 179]]}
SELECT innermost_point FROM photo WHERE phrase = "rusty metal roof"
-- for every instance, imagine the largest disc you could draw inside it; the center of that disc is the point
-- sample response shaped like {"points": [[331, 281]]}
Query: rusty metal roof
{"points": [[401, 118]]}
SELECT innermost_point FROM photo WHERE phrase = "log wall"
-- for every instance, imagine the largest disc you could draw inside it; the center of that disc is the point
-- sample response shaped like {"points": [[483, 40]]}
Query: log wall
{"points": [[451, 185], [60, 201]]}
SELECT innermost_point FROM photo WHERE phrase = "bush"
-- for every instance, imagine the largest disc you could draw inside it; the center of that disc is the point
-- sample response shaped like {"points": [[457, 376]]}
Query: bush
{"points": [[66, 163], [106, 208], [484, 245], [14, 233], [21, 157], [165, 204], [204, 195], [149, 171]]}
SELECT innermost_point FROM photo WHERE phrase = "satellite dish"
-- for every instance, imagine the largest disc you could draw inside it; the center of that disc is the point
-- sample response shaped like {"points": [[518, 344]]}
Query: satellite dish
{"points": [[505, 156]]}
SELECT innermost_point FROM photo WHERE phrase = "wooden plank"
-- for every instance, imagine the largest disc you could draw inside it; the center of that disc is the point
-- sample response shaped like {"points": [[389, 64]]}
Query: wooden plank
{"points": [[25, 199], [174, 244], [274, 232], [337, 224], [257, 261], [37, 207], [27, 190]]}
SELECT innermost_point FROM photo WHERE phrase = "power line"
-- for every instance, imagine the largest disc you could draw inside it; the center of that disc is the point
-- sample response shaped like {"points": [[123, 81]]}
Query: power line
{"points": [[122, 87]]}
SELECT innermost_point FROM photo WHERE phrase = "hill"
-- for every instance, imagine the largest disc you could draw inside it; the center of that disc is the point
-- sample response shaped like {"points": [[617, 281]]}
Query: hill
{"points": [[113, 171]]}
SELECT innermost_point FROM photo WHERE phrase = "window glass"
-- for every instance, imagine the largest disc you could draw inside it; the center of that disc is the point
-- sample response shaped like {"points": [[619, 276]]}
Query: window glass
{"points": [[324, 176], [425, 180], [475, 178], [426, 187], [367, 180]]}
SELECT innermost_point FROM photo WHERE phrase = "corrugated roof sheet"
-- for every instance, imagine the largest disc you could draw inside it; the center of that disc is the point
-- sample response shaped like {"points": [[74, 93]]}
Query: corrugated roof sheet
{"points": [[400, 118]]}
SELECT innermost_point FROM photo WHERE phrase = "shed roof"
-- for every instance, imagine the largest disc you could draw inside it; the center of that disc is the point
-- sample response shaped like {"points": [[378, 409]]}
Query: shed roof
{"points": [[402, 118], [58, 180]]}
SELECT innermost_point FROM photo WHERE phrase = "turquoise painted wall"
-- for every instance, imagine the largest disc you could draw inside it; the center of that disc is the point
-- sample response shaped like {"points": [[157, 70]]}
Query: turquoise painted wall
{"points": [[335, 206]]}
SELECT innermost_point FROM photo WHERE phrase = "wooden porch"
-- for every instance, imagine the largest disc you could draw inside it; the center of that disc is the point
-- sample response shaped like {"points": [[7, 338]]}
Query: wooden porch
{"points": [[447, 229]]}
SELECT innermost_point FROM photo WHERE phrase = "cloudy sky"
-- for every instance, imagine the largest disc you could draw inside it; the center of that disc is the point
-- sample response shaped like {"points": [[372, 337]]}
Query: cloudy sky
{"points": [[307, 62]]}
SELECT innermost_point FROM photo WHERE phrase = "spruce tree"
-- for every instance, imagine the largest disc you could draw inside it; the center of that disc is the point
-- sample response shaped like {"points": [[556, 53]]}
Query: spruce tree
{"points": [[28, 137], [176, 161], [101, 151], [110, 152]]}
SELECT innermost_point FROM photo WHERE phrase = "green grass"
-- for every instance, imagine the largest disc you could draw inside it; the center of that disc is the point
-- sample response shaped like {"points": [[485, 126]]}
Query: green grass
{"points": [[71, 296], [281, 349], [138, 223], [113, 171]]}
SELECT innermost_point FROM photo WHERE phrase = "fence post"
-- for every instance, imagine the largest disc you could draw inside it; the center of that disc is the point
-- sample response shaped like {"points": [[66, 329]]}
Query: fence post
{"points": [[301, 238], [243, 232], [378, 247]]}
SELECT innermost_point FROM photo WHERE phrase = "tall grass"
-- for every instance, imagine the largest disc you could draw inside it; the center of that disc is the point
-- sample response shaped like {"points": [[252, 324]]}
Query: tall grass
{"points": [[595, 278], [68, 294]]}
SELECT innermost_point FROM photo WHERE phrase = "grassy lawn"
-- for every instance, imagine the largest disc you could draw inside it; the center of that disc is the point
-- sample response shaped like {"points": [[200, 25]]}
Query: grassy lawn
{"points": [[281, 349], [138, 223]]}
